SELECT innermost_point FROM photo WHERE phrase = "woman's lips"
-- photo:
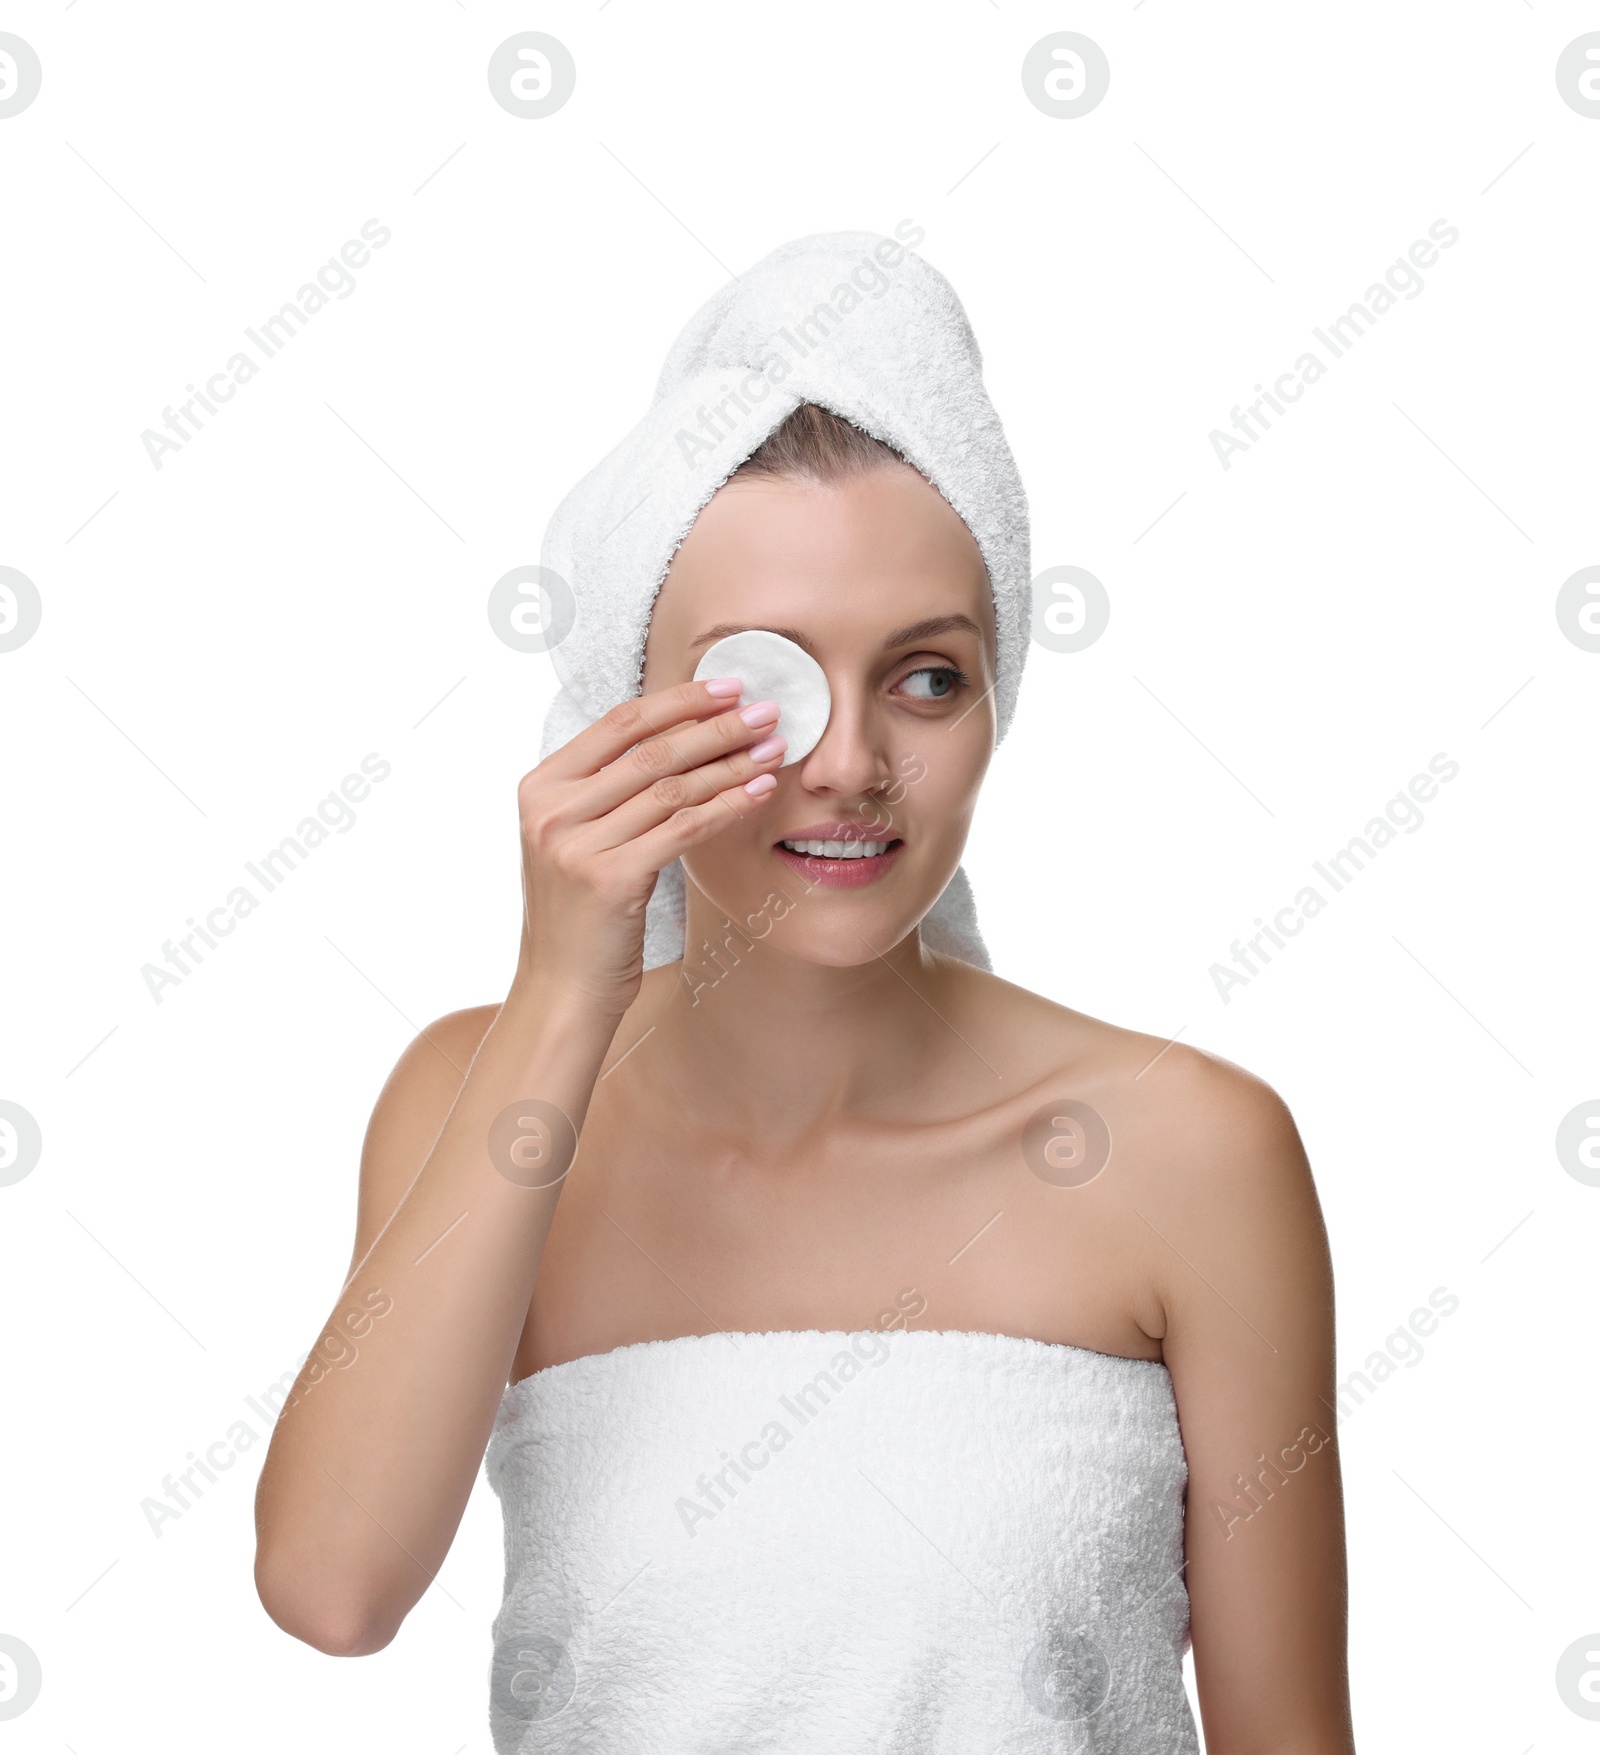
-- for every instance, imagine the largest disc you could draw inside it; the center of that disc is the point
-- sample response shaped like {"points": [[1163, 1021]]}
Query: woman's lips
{"points": [[840, 874]]}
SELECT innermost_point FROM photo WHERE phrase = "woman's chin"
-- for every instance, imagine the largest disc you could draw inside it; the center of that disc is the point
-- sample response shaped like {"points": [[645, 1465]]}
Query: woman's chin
{"points": [[829, 928]]}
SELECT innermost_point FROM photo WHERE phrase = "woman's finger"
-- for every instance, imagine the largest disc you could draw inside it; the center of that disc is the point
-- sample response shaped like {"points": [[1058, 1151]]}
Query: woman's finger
{"points": [[642, 811], [680, 750], [631, 722], [694, 823]]}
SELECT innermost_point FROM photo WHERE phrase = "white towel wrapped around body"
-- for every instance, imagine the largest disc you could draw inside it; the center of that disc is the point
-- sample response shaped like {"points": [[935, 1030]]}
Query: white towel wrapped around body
{"points": [[857, 323], [905, 1543]]}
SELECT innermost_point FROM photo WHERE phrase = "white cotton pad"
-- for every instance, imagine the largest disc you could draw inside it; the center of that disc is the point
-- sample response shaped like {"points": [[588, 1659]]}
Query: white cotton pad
{"points": [[775, 669]]}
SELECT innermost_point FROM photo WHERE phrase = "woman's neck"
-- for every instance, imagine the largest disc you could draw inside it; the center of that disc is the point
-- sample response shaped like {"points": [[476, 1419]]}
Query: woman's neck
{"points": [[750, 1039]]}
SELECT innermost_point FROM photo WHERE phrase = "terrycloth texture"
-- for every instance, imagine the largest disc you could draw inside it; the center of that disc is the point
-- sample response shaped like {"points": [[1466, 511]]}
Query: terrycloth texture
{"points": [[947, 1543], [854, 322]]}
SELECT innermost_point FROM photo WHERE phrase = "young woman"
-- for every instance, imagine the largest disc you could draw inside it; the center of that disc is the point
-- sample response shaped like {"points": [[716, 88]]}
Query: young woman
{"points": [[859, 1361]]}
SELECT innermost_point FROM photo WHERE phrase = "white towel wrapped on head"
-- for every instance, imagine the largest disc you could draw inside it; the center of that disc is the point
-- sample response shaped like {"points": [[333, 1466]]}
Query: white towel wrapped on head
{"points": [[859, 324]]}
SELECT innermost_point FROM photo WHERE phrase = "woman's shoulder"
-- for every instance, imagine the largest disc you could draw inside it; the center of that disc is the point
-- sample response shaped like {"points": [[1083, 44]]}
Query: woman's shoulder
{"points": [[455, 1037], [437, 1057], [1167, 1090], [1174, 1156]]}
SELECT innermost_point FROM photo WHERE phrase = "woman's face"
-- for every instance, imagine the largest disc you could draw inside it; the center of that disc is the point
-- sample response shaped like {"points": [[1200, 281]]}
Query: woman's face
{"points": [[881, 581]]}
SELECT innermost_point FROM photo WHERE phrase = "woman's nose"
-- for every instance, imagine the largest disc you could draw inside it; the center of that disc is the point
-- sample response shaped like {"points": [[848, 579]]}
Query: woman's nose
{"points": [[849, 757]]}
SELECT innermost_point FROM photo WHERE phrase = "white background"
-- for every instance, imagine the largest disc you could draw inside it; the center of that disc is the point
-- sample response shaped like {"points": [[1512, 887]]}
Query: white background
{"points": [[1291, 639]]}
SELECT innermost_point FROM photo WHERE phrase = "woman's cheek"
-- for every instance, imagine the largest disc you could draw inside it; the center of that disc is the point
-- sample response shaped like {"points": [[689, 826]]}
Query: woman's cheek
{"points": [[937, 789]]}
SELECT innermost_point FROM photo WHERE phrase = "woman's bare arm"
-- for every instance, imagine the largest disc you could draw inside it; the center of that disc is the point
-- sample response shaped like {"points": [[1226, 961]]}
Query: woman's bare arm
{"points": [[376, 1451], [1250, 1347]]}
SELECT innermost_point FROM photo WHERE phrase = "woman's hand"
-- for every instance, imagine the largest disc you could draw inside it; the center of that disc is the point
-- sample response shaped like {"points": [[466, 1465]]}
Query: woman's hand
{"points": [[604, 813]]}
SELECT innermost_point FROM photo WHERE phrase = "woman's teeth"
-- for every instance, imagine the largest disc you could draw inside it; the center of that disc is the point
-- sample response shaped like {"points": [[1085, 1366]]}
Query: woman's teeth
{"points": [[838, 849]]}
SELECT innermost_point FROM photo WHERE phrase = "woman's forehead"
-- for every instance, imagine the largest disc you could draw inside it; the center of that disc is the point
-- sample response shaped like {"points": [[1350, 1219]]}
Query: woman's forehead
{"points": [[881, 550]]}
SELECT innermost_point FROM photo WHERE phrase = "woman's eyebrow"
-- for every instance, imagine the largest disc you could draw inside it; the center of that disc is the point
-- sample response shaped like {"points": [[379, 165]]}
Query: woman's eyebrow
{"points": [[914, 634], [724, 629], [917, 632]]}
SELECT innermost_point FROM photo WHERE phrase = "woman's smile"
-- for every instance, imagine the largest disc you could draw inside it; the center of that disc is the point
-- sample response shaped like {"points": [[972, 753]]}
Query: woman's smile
{"points": [[841, 855]]}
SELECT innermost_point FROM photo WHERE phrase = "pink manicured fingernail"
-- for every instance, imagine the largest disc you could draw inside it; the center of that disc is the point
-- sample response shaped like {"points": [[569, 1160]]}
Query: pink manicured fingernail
{"points": [[760, 713], [725, 688], [761, 785], [768, 748]]}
